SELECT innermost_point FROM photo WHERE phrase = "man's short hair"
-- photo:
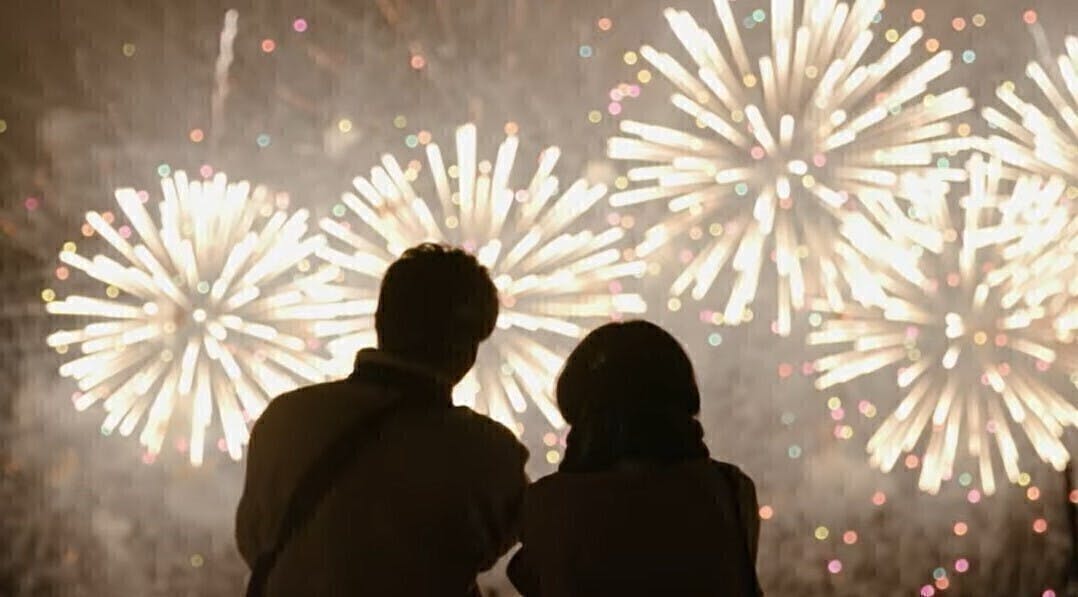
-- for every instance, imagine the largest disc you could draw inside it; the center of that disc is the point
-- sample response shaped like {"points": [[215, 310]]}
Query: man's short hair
{"points": [[435, 300]]}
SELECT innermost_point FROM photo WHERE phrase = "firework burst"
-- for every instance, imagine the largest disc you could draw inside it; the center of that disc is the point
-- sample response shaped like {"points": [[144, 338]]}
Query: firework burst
{"points": [[784, 145], [206, 318], [1042, 138], [973, 334], [556, 277]]}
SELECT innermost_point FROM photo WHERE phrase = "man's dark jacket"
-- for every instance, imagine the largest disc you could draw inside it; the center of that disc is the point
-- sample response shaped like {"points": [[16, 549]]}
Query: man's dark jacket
{"points": [[427, 503]]}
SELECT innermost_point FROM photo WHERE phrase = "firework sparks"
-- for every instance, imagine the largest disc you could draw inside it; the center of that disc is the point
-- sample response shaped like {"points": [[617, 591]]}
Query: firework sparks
{"points": [[204, 315], [555, 276], [1045, 142], [1032, 138], [977, 341], [789, 143]]}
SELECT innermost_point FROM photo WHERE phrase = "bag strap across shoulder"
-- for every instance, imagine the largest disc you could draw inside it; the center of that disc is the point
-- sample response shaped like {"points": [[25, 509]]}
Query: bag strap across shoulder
{"points": [[312, 488]]}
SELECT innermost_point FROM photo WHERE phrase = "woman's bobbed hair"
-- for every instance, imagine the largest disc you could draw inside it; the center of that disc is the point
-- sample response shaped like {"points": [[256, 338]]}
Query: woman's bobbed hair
{"points": [[629, 392]]}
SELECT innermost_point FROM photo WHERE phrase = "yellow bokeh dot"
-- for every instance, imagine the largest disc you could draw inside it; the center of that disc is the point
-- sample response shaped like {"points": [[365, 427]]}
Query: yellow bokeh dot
{"points": [[749, 80], [112, 292], [808, 181], [963, 130], [48, 295], [715, 229], [747, 315], [129, 49], [1007, 86], [891, 35], [979, 20], [717, 318], [451, 222], [595, 116], [3, 125], [737, 116], [811, 72], [980, 338], [674, 304], [62, 349], [644, 76], [621, 183], [553, 457], [629, 57], [69, 247], [1023, 479], [453, 171], [802, 252], [344, 125], [1072, 192], [834, 403], [821, 533], [400, 122]]}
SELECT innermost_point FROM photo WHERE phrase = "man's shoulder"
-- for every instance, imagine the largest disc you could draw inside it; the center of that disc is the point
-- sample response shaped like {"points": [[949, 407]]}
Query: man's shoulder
{"points": [[484, 433], [291, 405]]}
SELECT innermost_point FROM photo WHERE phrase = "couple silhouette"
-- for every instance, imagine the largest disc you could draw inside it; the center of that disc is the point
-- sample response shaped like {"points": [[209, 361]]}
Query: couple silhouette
{"points": [[378, 485]]}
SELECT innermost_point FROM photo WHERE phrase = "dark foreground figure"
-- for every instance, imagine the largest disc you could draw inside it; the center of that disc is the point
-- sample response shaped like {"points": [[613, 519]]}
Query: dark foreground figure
{"points": [[407, 494], [637, 506]]}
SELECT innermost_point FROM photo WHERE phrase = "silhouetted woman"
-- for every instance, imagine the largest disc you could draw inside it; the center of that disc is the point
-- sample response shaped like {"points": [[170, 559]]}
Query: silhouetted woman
{"points": [[637, 507]]}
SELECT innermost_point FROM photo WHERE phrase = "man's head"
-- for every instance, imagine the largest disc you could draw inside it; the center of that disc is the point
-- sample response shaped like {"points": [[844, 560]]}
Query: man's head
{"points": [[437, 304]]}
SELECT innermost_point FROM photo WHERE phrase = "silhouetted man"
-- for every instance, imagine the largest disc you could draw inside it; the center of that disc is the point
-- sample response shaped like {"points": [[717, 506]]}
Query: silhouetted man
{"points": [[428, 495]]}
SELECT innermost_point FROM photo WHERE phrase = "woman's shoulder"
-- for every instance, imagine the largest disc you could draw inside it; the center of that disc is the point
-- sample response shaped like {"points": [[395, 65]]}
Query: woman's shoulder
{"points": [[730, 469], [742, 483]]}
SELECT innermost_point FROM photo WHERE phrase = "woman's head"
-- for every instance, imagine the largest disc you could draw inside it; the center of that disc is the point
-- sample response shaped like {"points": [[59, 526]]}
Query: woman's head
{"points": [[629, 391]]}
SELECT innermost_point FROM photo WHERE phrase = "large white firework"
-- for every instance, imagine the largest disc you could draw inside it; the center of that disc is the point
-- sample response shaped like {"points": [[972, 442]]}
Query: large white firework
{"points": [[781, 146], [203, 316], [975, 344], [1041, 136], [555, 275]]}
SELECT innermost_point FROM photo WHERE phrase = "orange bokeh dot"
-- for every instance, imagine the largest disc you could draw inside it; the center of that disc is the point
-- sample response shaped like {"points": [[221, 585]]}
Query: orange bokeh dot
{"points": [[932, 45], [958, 23], [1040, 525], [418, 62], [960, 528], [268, 45], [918, 15], [879, 498], [766, 512], [942, 583], [605, 24], [196, 135], [849, 537], [1030, 17], [511, 128]]}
